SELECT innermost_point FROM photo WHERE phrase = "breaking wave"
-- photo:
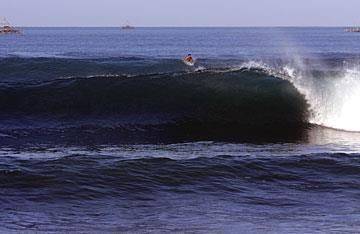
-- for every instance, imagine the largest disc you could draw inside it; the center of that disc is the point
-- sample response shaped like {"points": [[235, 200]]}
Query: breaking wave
{"points": [[332, 96], [166, 92]]}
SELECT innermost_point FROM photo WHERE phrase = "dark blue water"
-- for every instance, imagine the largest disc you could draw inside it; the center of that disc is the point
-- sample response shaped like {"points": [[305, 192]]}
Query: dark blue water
{"points": [[107, 130]]}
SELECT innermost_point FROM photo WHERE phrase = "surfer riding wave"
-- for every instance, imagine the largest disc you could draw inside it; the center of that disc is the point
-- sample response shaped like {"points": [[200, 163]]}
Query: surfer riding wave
{"points": [[189, 60]]}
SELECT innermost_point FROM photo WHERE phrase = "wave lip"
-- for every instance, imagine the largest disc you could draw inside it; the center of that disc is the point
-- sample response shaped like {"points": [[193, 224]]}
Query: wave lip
{"points": [[333, 97], [332, 94]]}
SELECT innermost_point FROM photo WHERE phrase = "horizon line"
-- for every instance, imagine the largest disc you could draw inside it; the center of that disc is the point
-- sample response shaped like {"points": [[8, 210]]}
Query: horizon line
{"points": [[196, 26]]}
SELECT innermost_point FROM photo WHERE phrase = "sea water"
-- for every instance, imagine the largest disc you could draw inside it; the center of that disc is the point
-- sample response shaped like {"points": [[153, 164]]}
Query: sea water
{"points": [[107, 130]]}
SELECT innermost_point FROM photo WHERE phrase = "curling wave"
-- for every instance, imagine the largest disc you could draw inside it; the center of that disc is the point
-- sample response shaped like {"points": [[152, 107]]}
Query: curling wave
{"points": [[332, 95], [138, 93]]}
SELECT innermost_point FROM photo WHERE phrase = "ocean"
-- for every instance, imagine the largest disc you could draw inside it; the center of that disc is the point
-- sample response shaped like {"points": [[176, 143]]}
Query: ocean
{"points": [[107, 130]]}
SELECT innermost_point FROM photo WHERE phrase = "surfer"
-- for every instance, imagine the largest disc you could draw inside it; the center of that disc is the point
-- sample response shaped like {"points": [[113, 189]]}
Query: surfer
{"points": [[189, 58]]}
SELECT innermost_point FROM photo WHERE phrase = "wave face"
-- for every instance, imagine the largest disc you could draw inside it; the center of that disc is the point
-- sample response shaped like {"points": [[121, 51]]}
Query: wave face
{"points": [[244, 96], [241, 91], [140, 94]]}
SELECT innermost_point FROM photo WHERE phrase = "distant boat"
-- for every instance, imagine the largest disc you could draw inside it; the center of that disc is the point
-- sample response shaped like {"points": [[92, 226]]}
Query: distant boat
{"points": [[127, 26], [353, 29], [6, 28]]}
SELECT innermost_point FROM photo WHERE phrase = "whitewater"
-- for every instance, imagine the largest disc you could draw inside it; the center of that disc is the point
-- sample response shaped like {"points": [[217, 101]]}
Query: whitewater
{"points": [[332, 97]]}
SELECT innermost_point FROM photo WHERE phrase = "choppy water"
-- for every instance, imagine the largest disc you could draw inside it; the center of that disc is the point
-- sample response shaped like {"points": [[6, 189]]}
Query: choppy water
{"points": [[107, 130]]}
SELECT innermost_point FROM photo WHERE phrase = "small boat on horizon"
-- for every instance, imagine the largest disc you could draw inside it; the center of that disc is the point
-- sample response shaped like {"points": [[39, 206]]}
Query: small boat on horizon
{"points": [[127, 26], [6, 28], [353, 29]]}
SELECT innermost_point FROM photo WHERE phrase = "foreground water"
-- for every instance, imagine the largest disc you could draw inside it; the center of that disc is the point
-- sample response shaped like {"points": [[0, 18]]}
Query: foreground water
{"points": [[107, 130]]}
